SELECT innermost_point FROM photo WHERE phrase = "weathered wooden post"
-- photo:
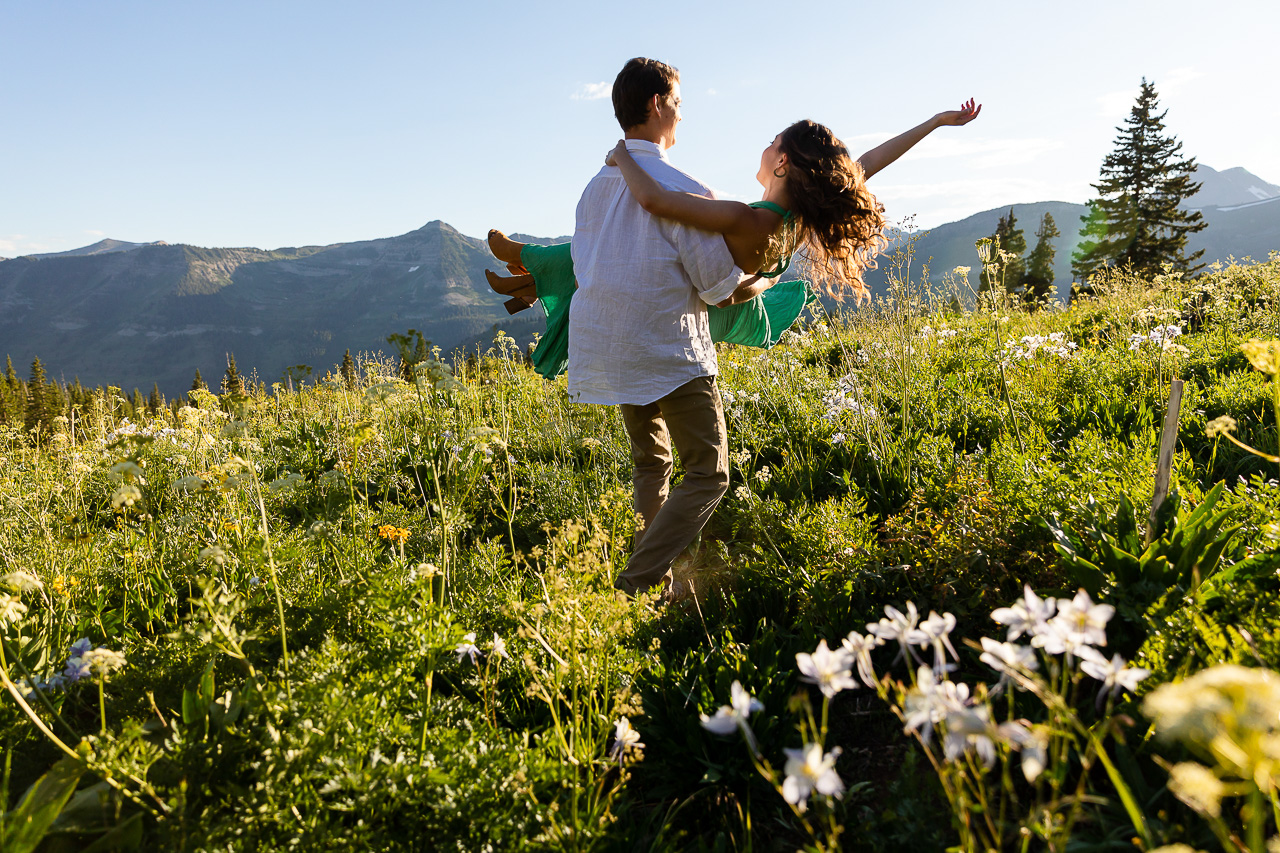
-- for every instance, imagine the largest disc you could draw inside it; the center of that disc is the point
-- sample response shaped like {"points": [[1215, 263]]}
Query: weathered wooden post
{"points": [[1164, 463]]}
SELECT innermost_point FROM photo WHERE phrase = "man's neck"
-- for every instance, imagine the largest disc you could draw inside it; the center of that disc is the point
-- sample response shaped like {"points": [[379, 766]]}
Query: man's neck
{"points": [[657, 137]]}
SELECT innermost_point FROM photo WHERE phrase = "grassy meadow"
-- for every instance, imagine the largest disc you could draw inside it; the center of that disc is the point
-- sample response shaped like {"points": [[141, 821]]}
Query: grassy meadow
{"points": [[379, 614]]}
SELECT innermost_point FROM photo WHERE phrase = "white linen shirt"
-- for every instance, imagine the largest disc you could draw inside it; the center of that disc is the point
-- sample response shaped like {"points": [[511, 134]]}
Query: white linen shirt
{"points": [[638, 321]]}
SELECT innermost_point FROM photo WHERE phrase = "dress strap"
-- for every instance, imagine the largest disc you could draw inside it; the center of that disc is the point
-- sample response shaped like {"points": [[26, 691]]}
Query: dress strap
{"points": [[783, 262]]}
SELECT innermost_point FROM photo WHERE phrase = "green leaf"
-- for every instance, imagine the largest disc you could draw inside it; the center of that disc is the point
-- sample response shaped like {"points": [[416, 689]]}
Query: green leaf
{"points": [[26, 825]]}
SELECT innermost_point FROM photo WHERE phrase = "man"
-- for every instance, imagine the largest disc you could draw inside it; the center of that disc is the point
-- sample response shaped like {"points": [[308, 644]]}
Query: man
{"points": [[638, 330]]}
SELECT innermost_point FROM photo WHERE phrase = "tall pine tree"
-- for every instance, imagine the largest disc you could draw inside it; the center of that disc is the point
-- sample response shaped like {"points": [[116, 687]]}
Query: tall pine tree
{"points": [[198, 383], [232, 381], [1009, 239], [37, 414], [1137, 219], [1037, 286], [349, 371]]}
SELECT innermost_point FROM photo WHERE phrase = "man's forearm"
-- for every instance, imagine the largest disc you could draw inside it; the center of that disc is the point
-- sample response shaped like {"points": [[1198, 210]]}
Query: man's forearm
{"points": [[748, 290]]}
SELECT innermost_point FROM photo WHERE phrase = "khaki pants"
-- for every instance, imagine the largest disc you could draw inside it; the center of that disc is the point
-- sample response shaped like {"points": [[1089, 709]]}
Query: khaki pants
{"points": [[692, 419]]}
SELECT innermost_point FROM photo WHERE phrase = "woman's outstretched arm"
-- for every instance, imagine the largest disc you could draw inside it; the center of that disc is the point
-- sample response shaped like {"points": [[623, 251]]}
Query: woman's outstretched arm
{"points": [[886, 152], [708, 214]]}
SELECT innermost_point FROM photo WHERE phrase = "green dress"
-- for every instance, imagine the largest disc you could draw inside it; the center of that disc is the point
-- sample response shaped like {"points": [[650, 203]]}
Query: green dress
{"points": [[758, 322]]}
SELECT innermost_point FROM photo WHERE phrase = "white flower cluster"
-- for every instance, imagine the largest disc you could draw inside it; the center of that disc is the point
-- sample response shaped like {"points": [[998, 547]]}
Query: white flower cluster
{"points": [[1160, 336], [468, 648], [1030, 345], [847, 397], [943, 333], [83, 662]]}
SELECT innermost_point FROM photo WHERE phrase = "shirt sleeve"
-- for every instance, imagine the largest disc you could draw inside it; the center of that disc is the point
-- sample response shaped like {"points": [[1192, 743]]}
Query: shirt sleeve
{"points": [[708, 263]]}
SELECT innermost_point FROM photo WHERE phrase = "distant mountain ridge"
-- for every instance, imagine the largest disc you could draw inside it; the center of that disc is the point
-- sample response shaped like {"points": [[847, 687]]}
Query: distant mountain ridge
{"points": [[129, 314]]}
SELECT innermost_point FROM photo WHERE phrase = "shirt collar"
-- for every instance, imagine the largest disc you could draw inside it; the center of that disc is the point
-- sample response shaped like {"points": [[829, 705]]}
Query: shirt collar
{"points": [[647, 147]]}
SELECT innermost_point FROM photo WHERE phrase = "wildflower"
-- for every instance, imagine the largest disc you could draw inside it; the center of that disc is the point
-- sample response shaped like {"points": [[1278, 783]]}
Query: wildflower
{"points": [[22, 581], [333, 479], [191, 484], [125, 496], [1114, 674], [590, 443], [1198, 787], [395, 534], [1263, 355], [764, 475], [809, 770], [1079, 622], [827, 668], [860, 647], [215, 554], [1027, 615], [102, 662], [499, 648], [468, 648], [234, 429], [128, 472], [837, 438], [11, 609], [935, 631], [961, 271], [79, 647], [734, 716], [742, 457], [969, 728], [287, 484], [77, 668], [742, 493], [1218, 705], [1032, 742], [896, 626], [626, 742], [1007, 659], [1220, 426]]}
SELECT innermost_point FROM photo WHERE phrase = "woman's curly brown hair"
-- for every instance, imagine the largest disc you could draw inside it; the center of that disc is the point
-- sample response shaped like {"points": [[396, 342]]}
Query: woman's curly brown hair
{"points": [[837, 222]]}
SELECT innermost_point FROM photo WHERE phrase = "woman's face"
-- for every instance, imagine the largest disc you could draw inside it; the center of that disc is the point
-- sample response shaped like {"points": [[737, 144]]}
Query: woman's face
{"points": [[770, 160]]}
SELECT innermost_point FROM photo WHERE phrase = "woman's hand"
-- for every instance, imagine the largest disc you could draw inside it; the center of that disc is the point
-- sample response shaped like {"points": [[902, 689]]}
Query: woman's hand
{"points": [[610, 159], [967, 113]]}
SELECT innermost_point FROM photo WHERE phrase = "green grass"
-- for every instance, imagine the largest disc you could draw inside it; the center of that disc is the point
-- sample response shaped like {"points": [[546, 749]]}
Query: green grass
{"points": [[292, 675]]}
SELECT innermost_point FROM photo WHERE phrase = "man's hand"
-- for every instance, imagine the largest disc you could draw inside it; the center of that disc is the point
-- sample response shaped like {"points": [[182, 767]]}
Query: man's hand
{"points": [[967, 113]]}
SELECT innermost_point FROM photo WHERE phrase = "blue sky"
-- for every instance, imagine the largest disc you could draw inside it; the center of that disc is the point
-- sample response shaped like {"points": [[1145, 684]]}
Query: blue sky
{"points": [[276, 124]]}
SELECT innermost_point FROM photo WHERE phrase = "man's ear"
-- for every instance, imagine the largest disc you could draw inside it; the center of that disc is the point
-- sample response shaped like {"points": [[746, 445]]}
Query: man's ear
{"points": [[655, 107]]}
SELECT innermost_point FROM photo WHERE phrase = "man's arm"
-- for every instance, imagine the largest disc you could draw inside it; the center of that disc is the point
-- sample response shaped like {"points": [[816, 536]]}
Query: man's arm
{"points": [[749, 289], [707, 262]]}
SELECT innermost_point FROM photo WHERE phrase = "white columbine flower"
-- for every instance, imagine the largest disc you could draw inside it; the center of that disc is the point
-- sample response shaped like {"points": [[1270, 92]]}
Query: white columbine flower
{"points": [[1028, 614], [827, 668], [1079, 623], [626, 742], [896, 626], [935, 631], [860, 647], [969, 727], [1114, 674], [808, 770], [1007, 659], [734, 716], [500, 648], [1032, 742], [468, 648]]}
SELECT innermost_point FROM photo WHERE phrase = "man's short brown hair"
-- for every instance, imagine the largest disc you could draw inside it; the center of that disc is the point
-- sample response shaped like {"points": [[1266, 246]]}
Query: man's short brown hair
{"points": [[636, 84]]}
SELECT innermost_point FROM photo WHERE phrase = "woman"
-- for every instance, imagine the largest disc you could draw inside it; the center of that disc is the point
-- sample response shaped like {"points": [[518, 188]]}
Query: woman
{"points": [[815, 199]]}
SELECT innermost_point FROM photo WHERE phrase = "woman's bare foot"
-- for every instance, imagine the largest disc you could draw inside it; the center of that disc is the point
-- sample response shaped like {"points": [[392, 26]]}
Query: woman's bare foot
{"points": [[504, 248], [512, 285]]}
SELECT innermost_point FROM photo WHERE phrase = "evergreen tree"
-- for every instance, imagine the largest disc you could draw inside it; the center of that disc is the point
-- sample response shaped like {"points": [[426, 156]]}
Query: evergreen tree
{"points": [[232, 381], [198, 383], [10, 377], [1137, 220], [1009, 239], [1038, 283], [349, 371], [37, 400], [156, 401], [138, 403]]}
